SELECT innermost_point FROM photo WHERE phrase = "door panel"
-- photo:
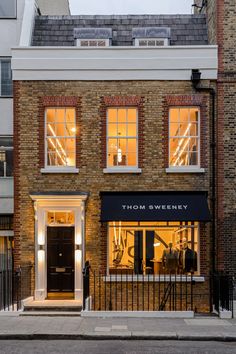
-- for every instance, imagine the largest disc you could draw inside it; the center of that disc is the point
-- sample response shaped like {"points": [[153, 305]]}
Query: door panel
{"points": [[60, 259]]}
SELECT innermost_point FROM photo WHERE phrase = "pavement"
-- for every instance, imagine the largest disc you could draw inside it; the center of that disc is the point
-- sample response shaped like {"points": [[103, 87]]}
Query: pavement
{"points": [[15, 326]]}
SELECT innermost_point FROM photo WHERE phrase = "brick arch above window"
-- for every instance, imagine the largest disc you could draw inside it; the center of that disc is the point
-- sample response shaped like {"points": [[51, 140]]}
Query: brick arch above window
{"points": [[57, 102], [121, 101], [200, 101]]}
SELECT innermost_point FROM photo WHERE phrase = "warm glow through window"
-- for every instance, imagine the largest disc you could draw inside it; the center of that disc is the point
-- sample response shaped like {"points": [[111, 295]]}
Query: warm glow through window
{"points": [[122, 139], [60, 136], [184, 137]]}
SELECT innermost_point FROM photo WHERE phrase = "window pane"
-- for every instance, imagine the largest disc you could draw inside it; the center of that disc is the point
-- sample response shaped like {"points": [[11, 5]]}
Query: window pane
{"points": [[112, 152], [194, 114], [132, 131], [50, 115], [121, 130], [121, 249], [60, 115], [9, 163], [112, 129], [131, 145], [61, 124], [183, 150], [8, 8], [121, 115], [6, 141], [132, 159], [132, 115], [6, 77], [184, 114], [112, 115], [70, 115], [174, 114], [2, 168], [174, 129]]}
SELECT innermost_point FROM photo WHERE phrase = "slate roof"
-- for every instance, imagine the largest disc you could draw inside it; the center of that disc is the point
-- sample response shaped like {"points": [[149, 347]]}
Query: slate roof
{"points": [[59, 30]]}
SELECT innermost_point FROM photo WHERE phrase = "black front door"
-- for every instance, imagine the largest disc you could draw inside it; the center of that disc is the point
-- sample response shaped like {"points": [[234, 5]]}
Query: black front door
{"points": [[60, 259]]}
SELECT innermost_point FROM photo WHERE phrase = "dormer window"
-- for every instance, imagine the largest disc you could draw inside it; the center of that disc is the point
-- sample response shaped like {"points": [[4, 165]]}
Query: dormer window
{"points": [[92, 43], [151, 36], [93, 37]]}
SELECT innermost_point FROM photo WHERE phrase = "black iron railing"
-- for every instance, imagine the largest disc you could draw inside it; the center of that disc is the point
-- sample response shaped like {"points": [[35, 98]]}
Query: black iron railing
{"points": [[15, 286], [130, 292]]}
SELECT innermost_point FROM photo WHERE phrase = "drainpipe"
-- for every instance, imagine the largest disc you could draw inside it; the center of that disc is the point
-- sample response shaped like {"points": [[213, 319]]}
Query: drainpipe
{"points": [[196, 78]]}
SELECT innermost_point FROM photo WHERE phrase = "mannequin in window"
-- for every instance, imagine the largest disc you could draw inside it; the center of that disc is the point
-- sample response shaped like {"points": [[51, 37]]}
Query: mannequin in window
{"points": [[187, 259], [170, 259]]}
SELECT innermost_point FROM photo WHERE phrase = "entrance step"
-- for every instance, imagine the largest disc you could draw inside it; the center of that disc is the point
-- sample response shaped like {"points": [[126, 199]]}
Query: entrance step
{"points": [[53, 306], [50, 314]]}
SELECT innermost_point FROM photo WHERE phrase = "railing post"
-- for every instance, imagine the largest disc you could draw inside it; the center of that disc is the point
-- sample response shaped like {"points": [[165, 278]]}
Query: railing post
{"points": [[86, 274]]}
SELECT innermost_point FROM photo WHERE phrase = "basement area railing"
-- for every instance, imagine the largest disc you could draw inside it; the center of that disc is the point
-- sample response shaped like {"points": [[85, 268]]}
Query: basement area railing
{"points": [[15, 286], [130, 292]]}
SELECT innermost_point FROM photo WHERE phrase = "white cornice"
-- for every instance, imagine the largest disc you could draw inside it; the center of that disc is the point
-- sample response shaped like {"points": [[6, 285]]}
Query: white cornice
{"points": [[113, 63]]}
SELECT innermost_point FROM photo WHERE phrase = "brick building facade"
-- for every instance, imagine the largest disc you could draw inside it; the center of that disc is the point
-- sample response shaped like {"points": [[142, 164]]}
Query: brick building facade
{"points": [[156, 170], [220, 17]]}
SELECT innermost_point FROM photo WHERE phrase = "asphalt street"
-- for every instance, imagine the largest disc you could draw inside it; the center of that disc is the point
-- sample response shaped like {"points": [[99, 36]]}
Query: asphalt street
{"points": [[113, 347]]}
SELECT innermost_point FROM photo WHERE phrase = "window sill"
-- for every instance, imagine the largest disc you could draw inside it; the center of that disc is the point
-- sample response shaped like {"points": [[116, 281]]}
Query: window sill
{"points": [[185, 170], [122, 170], [59, 170], [153, 278], [6, 96], [7, 177]]}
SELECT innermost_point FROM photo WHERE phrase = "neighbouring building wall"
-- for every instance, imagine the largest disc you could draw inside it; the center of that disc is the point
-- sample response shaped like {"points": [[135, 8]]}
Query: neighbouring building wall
{"points": [[54, 7], [221, 21]]}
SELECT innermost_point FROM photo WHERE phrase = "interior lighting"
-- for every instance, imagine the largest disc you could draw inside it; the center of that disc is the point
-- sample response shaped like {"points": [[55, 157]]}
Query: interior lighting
{"points": [[58, 153], [54, 134], [181, 141], [181, 152]]}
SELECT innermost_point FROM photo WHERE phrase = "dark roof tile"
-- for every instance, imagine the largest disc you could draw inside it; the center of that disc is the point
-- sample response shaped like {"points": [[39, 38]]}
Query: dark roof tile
{"points": [[58, 30]]}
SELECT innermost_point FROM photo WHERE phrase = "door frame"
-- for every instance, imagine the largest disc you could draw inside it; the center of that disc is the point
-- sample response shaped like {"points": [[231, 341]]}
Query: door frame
{"points": [[42, 204]]}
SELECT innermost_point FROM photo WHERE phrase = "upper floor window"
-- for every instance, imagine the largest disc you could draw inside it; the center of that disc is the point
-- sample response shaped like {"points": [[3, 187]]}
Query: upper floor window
{"points": [[184, 137], [60, 137], [6, 157], [122, 138], [5, 77], [8, 9]]}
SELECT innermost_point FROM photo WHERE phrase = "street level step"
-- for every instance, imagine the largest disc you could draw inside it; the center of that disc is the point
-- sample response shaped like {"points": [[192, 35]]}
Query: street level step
{"points": [[30, 308], [50, 313]]}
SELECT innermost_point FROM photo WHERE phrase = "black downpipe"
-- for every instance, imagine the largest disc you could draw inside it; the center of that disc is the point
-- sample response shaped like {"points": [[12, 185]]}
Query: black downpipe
{"points": [[212, 92]]}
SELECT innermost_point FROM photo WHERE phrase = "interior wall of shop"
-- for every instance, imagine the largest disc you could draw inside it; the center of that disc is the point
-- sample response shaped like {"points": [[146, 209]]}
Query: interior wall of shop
{"points": [[28, 178]]}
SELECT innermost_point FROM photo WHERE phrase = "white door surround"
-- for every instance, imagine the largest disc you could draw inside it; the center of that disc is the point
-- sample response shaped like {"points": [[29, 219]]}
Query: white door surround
{"points": [[44, 202]]}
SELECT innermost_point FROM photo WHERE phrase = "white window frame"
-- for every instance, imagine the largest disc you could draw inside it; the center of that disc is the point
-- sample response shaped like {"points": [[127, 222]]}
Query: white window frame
{"points": [[4, 149], [1, 95], [186, 168], [106, 40], [137, 40], [56, 169], [122, 169]]}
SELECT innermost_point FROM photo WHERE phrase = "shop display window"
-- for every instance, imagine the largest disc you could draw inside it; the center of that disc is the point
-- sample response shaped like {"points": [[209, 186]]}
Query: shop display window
{"points": [[60, 137], [153, 247], [122, 137], [184, 134], [58, 218]]}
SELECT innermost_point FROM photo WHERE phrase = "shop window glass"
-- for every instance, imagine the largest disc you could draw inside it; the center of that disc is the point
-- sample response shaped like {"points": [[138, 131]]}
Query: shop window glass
{"points": [[60, 137], [5, 77], [153, 248], [184, 137], [7, 8], [6, 157], [122, 137]]}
